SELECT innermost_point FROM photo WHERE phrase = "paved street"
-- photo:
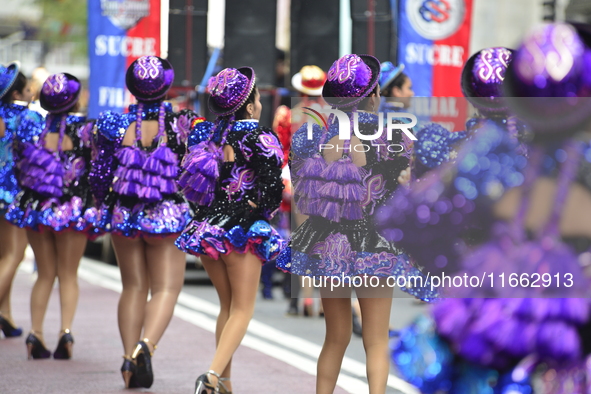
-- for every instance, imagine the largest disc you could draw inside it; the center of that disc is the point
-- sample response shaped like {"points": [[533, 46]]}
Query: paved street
{"points": [[278, 353]]}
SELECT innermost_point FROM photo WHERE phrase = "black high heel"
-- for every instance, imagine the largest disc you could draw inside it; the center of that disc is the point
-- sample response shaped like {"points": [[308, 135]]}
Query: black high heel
{"points": [[35, 348], [128, 373], [65, 346], [8, 329], [143, 361]]}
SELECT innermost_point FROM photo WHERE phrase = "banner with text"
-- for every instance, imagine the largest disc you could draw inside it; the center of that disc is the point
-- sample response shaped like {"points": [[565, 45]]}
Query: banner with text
{"points": [[434, 44], [118, 33]]}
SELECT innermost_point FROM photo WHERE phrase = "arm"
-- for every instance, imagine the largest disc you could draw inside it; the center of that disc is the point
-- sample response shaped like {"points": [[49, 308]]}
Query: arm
{"points": [[267, 162], [108, 134]]}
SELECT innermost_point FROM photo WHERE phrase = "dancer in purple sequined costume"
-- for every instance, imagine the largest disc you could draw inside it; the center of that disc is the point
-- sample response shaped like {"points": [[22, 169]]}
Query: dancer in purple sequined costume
{"points": [[523, 337], [55, 205], [338, 189], [233, 173], [15, 95], [134, 179]]}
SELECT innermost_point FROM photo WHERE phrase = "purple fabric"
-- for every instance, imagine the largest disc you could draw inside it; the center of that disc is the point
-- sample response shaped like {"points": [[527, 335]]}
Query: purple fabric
{"points": [[59, 92], [200, 172], [349, 76], [488, 71], [228, 87], [42, 171], [149, 78], [551, 63]]}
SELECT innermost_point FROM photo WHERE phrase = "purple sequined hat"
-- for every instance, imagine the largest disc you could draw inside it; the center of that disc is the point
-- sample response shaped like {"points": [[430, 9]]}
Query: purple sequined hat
{"points": [[549, 81], [8, 76], [350, 79], [148, 78], [483, 76], [59, 93], [230, 89]]}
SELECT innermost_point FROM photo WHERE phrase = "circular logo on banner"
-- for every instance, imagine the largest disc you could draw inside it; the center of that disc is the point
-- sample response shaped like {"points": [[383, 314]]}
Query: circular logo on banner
{"points": [[125, 14], [435, 19]]}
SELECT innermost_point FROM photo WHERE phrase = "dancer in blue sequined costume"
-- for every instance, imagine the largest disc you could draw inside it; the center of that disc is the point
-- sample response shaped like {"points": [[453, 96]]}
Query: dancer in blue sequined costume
{"points": [[338, 189], [233, 174], [15, 94], [134, 180], [55, 204], [534, 210]]}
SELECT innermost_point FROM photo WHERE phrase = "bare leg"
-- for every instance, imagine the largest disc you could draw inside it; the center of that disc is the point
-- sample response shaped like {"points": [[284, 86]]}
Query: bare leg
{"points": [[218, 273], [12, 250], [70, 248], [131, 256], [337, 316], [43, 244], [376, 322], [166, 269], [244, 272]]}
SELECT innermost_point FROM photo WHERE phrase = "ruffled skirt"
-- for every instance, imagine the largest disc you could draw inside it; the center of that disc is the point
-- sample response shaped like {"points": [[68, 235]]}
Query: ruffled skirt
{"points": [[203, 238], [350, 249], [131, 218], [67, 213]]}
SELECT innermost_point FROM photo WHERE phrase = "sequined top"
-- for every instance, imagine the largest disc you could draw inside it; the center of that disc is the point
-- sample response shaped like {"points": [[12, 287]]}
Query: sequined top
{"points": [[110, 130], [10, 114], [254, 175], [440, 207]]}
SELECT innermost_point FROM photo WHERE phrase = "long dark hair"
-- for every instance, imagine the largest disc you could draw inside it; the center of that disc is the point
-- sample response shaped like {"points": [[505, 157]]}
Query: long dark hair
{"points": [[17, 86]]}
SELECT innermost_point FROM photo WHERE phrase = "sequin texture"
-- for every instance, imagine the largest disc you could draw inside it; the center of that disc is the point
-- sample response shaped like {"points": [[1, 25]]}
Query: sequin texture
{"points": [[230, 223]]}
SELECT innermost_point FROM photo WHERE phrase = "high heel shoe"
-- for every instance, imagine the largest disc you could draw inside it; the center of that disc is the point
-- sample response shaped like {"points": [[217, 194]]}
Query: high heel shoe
{"points": [[128, 373], [204, 386], [143, 362], [65, 346], [8, 329], [35, 348]]}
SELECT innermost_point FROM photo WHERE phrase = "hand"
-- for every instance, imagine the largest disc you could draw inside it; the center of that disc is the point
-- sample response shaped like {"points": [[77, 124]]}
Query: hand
{"points": [[252, 204], [404, 178]]}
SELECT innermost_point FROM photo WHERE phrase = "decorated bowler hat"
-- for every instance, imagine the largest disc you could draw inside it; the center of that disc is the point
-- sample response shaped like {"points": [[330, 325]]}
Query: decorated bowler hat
{"points": [[389, 72], [148, 78], [8, 76], [59, 93], [230, 89], [350, 79], [483, 76], [309, 80], [548, 83]]}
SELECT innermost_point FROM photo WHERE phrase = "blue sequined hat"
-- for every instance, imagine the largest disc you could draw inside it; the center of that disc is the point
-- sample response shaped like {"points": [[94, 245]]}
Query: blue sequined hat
{"points": [[8, 76], [388, 72]]}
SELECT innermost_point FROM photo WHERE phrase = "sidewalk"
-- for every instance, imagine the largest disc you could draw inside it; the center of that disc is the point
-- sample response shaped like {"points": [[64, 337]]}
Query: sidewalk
{"points": [[183, 353]]}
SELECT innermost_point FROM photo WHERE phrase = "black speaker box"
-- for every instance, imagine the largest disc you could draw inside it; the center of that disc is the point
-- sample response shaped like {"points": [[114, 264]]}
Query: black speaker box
{"points": [[384, 41], [250, 37], [314, 33], [187, 40]]}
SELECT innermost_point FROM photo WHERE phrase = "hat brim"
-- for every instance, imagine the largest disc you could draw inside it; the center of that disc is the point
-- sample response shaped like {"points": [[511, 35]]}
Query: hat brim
{"points": [[296, 82], [486, 104], [67, 104], [154, 96], [395, 73], [217, 110], [12, 70], [341, 102]]}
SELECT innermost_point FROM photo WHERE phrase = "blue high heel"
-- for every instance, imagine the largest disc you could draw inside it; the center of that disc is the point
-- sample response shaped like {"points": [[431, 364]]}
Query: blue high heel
{"points": [[64, 346], [8, 329], [143, 361], [35, 348], [128, 373]]}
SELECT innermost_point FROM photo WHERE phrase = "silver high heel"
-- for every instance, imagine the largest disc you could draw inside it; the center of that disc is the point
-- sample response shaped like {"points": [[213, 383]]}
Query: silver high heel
{"points": [[203, 386]]}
